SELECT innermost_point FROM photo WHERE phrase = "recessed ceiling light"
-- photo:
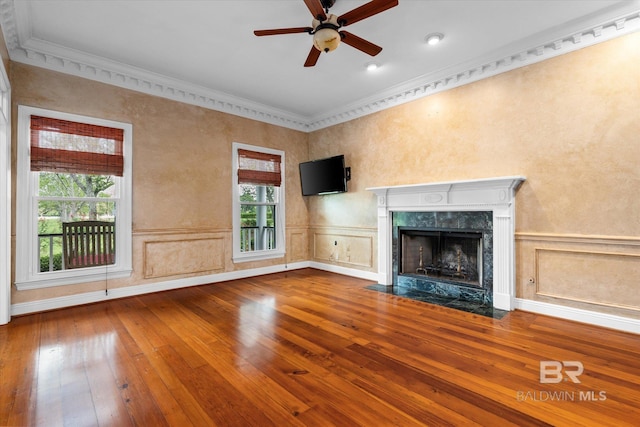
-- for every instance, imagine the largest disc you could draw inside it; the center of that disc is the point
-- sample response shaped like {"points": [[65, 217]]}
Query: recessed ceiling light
{"points": [[372, 66], [434, 38]]}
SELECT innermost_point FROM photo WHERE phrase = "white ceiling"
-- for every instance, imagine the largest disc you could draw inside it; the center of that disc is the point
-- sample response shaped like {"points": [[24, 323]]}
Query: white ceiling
{"points": [[205, 52]]}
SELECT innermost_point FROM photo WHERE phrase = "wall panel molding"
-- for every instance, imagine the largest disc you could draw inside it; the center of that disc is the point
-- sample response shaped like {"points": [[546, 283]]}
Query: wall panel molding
{"points": [[297, 245], [593, 277], [594, 272], [351, 247], [165, 258]]}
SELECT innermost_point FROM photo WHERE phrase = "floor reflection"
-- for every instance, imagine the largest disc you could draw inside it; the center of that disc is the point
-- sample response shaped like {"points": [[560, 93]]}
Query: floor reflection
{"points": [[257, 322], [65, 370], [457, 303]]}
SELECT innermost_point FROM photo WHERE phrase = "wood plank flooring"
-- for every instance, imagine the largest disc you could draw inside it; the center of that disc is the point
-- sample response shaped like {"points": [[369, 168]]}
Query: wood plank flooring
{"points": [[307, 348]]}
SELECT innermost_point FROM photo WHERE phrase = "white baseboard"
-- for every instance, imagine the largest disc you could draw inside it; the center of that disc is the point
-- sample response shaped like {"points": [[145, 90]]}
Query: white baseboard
{"points": [[621, 323], [98, 296], [345, 271], [612, 321]]}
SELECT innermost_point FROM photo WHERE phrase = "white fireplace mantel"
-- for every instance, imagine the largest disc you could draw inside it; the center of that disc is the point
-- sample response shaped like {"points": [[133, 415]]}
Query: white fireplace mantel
{"points": [[491, 194]]}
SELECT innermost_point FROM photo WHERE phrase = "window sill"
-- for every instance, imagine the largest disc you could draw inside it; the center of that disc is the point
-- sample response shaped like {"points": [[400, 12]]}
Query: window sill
{"points": [[257, 256], [71, 277]]}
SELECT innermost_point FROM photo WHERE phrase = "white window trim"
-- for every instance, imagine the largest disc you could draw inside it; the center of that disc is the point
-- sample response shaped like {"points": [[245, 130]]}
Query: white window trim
{"points": [[280, 249], [28, 275], [5, 196]]}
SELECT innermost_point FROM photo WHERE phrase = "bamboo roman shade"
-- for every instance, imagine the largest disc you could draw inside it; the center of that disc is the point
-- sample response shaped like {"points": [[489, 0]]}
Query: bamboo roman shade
{"points": [[258, 168], [72, 147]]}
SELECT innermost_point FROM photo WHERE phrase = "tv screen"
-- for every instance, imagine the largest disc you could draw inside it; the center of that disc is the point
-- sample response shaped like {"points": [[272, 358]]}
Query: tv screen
{"points": [[323, 176]]}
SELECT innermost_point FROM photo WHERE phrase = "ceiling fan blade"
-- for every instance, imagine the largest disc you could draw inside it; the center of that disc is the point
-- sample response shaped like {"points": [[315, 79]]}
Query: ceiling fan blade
{"points": [[314, 54], [316, 9], [366, 10], [360, 43], [283, 31]]}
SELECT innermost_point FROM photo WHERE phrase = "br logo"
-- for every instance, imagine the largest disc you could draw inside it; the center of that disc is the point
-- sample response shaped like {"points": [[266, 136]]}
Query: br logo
{"points": [[553, 371]]}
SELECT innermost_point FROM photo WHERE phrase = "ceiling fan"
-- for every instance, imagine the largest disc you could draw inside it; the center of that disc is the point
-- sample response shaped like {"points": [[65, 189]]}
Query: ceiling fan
{"points": [[325, 27]]}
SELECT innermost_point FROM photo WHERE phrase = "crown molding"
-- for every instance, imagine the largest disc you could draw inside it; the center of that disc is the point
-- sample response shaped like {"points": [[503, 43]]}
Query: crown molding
{"points": [[618, 21], [27, 50], [56, 58], [541, 47]]}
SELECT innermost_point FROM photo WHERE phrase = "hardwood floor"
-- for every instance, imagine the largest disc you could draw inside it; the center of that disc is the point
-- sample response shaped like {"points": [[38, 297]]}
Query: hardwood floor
{"points": [[308, 348]]}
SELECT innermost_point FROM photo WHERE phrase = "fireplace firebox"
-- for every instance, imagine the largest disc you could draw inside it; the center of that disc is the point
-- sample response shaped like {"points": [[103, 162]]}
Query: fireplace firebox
{"points": [[452, 256]]}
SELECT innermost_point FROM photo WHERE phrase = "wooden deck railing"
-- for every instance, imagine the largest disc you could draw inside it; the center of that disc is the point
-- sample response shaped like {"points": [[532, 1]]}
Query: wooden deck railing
{"points": [[250, 238]]}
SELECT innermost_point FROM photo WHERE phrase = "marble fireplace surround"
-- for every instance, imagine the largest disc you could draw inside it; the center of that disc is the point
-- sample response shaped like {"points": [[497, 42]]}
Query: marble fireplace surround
{"points": [[491, 194]]}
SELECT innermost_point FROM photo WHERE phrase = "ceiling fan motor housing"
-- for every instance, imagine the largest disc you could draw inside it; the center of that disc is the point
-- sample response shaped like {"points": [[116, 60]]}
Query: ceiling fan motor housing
{"points": [[326, 4]]}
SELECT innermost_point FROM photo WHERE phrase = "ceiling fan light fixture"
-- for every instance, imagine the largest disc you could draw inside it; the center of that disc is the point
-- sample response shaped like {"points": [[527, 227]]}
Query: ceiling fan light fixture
{"points": [[372, 66], [326, 39], [434, 38]]}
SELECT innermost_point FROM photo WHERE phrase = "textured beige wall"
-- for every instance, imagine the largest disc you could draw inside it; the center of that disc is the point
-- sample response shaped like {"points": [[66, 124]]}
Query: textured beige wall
{"points": [[569, 124], [181, 176]]}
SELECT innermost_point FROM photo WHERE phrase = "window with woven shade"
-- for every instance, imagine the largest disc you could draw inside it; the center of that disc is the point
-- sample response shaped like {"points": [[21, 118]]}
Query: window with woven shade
{"points": [[259, 168], [73, 147], [76, 196], [258, 217]]}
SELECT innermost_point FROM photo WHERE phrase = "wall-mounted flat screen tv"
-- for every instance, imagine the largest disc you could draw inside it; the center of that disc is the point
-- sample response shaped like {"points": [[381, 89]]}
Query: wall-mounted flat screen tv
{"points": [[323, 176]]}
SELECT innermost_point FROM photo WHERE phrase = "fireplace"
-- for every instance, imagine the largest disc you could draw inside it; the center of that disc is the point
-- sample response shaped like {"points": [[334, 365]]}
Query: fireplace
{"points": [[445, 253], [480, 211]]}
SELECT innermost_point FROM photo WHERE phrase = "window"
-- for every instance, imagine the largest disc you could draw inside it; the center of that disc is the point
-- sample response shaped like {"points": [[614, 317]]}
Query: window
{"points": [[258, 203], [74, 199]]}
